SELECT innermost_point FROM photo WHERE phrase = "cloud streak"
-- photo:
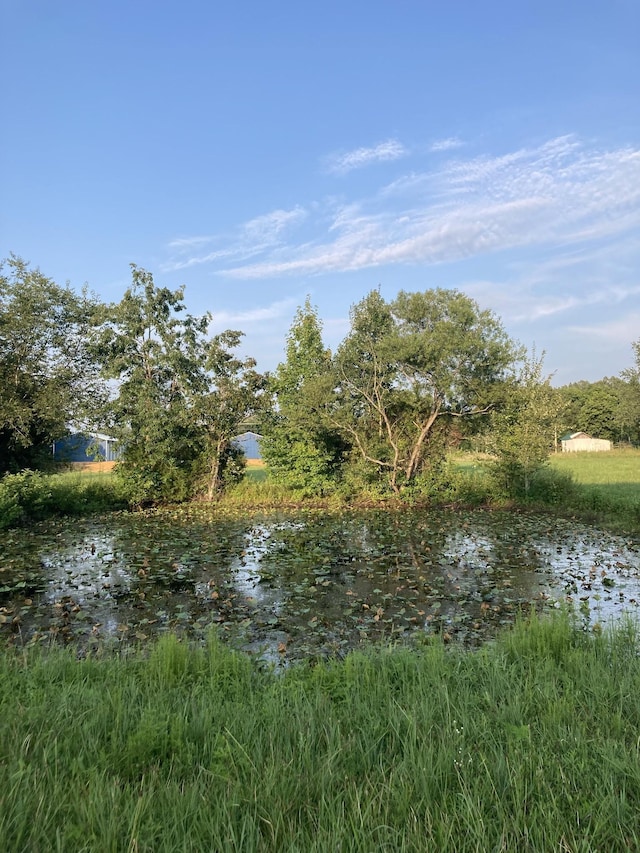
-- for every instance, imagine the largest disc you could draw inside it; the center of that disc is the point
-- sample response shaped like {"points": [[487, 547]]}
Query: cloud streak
{"points": [[341, 164], [449, 144], [255, 237], [561, 195], [625, 329], [282, 309]]}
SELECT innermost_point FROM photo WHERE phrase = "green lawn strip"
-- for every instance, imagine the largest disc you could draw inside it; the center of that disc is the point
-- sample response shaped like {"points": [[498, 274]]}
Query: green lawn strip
{"points": [[530, 743]]}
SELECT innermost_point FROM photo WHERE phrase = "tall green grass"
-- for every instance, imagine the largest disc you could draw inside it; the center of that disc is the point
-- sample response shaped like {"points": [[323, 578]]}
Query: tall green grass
{"points": [[531, 744], [32, 496]]}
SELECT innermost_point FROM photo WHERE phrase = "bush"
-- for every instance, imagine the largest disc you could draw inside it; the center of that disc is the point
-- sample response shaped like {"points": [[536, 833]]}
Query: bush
{"points": [[552, 487], [33, 496], [542, 485], [23, 495]]}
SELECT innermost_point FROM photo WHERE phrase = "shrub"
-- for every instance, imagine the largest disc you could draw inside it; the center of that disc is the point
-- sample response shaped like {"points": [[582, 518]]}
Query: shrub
{"points": [[552, 487], [32, 496], [23, 495]]}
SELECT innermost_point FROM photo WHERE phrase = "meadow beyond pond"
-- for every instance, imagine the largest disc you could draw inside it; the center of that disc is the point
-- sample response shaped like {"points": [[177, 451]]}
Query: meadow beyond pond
{"points": [[306, 584]]}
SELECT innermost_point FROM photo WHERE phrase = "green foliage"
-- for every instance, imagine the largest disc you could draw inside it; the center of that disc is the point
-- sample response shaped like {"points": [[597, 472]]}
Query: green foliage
{"points": [[232, 391], [180, 396], [47, 374], [152, 353], [33, 495], [552, 488], [303, 451], [523, 428], [408, 371], [629, 417], [24, 495], [609, 408]]}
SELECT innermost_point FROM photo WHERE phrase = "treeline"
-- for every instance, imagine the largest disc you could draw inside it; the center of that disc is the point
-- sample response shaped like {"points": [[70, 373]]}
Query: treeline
{"points": [[413, 378], [609, 408]]}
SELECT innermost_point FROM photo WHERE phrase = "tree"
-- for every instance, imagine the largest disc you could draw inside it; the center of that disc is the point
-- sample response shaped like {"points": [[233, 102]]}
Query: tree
{"points": [[48, 378], [630, 397], [608, 408], [594, 407], [180, 395], [524, 427], [408, 369], [302, 450], [234, 393]]}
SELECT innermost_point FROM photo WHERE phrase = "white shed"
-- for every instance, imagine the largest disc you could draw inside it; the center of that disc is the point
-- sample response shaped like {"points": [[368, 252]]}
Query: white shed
{"points": [[579, 441]]}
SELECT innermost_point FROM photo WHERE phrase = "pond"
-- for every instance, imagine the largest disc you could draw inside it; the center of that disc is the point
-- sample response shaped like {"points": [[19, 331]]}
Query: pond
{"points": [[305, 584]]}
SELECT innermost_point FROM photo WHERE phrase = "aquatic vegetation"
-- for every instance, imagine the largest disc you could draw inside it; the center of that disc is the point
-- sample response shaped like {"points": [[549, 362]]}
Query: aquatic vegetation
{"points": [[306, 583]]}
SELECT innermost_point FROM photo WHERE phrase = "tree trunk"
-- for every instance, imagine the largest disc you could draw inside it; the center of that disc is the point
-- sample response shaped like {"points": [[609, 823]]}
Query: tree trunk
{"points": [[412, 465], [215, 472]]}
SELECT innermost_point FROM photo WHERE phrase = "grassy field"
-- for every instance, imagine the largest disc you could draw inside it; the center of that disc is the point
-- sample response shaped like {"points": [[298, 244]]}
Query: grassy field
{"points": [[615, 474], [608, 485], [529, 745]]}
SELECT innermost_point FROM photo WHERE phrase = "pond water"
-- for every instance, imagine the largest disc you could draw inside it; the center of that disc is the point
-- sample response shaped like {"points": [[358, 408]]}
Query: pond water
{"points": [[299, 585]]}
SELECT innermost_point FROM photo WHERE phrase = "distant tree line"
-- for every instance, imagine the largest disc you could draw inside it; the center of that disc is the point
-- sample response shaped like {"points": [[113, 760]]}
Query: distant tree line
{"points": [[412, 378], [609, 408]]}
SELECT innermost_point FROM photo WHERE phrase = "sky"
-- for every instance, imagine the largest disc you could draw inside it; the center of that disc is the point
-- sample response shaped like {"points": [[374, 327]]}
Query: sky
{"points": [[261, 152]]}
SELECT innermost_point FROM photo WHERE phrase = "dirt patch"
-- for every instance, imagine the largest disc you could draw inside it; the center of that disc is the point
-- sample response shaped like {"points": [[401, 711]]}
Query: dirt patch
{"points": [[93, 467]]}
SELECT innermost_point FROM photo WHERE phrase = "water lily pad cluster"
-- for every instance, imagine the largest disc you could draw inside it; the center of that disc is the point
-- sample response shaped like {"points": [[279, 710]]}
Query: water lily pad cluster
{"points": [[304, 584]]}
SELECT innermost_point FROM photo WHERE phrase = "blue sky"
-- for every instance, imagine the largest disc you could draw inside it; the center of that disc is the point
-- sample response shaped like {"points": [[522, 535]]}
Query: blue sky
{"points": [[260, 152]]}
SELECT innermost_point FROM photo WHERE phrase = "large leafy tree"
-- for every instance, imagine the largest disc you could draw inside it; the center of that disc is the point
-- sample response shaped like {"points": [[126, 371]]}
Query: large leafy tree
{"points": [[48, 379], [302, 449], [587, 409], [604, 409], [410, 368], [180, 394]]}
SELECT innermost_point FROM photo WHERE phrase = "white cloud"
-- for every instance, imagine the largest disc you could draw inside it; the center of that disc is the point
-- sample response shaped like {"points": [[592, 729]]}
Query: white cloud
{"points": [[189, 242], [614, 331], [340, 164], [446, 144], [270, 226], [252, 238], [559, 194], [561, 219], [282, 309], [518, 303]]}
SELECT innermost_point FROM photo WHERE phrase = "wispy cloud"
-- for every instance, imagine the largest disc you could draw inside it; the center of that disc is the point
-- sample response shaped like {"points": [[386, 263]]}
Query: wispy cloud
{"points": [[563, 216], [252, 238], [269, 227], [624, 329], [183, 243], [557, 194], [340, 164], [282, 309], [521, 302], [449, 144]]}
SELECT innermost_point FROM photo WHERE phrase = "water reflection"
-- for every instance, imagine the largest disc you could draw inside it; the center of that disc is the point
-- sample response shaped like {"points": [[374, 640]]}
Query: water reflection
{"points": [[305, 585]]}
